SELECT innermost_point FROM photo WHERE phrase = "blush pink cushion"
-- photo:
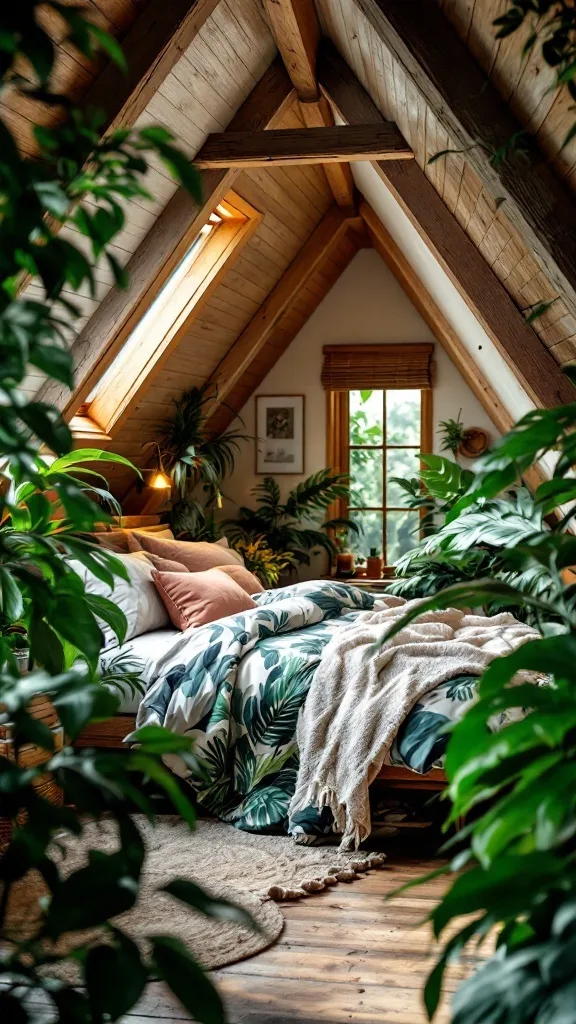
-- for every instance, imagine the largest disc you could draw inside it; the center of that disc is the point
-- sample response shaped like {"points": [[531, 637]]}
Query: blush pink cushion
{"points": [[197, 556], [164, 564], [196, 598], [243, 577]]}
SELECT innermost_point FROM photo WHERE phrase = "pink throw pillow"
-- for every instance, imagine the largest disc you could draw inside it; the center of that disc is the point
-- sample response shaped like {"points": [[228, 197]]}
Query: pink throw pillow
{"points": [[197, 598], [243, 577], [197, 556]]}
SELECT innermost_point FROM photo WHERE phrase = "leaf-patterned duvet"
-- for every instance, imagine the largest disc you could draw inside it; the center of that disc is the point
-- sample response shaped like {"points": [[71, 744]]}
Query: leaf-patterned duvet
{"points": [[236, 686]]}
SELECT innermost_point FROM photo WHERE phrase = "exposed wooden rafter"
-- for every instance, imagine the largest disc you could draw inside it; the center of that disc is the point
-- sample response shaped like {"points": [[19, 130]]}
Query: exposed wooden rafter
{"points": [[156, 41], [478, 120], [318, 114], [162, 248], [297, 30], [532, 363], [293, 146], [245, 349]]}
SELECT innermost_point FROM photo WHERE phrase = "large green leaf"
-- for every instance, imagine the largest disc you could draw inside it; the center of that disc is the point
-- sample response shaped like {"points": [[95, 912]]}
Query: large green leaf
{"points": [[187, 980]]}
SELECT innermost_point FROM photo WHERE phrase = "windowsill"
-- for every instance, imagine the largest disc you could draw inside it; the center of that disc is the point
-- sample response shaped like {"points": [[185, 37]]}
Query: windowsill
{"points": [[86, 429]]}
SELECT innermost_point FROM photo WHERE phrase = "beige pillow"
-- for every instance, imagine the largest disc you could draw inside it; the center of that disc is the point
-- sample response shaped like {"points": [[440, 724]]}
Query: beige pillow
{"points": [[164, 564], [243, 577], [197, 556], [197, 598]]}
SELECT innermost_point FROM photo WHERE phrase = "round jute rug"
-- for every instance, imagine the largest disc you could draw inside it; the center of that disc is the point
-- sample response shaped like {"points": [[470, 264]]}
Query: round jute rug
{"points": [[234, 865]]}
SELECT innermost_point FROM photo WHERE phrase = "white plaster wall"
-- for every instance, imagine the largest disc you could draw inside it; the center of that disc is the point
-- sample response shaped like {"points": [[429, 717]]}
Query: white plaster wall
{"points": [[366, 305]]}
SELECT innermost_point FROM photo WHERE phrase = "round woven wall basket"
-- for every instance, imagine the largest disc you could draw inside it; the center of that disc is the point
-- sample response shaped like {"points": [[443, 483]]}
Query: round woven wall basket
{"points": [[28, 755]]}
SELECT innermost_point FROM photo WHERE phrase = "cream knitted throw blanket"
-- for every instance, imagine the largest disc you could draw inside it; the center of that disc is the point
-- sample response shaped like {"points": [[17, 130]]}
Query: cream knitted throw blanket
{"points": [[365, 687]]}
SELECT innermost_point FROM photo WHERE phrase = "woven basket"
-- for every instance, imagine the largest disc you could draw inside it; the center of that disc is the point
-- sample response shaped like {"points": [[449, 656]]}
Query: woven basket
{"points": [[28, 755]]}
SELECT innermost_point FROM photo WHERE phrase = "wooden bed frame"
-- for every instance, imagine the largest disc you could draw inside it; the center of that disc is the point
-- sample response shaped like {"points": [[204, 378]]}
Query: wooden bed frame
{"points": [[111, 734]]}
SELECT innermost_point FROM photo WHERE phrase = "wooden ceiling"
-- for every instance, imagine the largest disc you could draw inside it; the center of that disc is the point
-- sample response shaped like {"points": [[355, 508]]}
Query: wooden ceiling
{"points": [[209, 67]]}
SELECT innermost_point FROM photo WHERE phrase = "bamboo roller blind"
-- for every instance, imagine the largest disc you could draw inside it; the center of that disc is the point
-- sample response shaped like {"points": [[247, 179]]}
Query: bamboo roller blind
{"points": [[362, 367]]}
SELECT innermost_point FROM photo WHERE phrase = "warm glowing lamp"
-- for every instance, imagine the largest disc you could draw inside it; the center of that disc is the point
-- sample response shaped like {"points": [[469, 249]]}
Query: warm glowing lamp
{"points": [[159, 480]]}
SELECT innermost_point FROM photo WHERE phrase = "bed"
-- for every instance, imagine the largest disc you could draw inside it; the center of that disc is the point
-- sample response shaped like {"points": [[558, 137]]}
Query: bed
{"points": [[237, 685]]}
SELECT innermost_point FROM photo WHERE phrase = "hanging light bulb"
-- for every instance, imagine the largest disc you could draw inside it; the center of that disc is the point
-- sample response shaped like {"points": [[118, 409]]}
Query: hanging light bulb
{"points": [[159, 481]]}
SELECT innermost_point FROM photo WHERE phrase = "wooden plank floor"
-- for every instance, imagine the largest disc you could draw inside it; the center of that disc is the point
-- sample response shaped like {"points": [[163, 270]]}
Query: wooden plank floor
{"points": [[345, 956]]}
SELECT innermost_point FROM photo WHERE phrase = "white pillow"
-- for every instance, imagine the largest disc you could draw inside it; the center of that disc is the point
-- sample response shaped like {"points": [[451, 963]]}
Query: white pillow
{"points": [[138, 599]]}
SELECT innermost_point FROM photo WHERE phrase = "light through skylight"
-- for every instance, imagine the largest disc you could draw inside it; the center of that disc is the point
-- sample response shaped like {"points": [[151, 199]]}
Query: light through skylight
{"points": [[158, 307]]}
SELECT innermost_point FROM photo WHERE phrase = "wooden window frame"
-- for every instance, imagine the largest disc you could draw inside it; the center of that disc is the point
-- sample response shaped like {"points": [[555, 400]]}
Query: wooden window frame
{"points": [[338, 442], [103, 416]]}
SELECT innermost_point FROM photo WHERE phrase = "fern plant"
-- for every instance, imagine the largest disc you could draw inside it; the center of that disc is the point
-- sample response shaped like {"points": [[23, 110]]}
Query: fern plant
{"points": [[293, 528]]}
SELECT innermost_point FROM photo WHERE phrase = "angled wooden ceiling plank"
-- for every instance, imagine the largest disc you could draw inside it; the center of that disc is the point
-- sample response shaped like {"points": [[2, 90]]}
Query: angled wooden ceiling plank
{"points": [[478, 120], [154, 44], [293, 146], [297, 30], [532, 363], [283, 336], [163, 247], [234, 364]]}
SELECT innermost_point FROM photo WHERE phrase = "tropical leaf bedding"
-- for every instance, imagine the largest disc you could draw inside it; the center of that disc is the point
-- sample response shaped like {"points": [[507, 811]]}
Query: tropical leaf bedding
{"points": [[236, 686]]}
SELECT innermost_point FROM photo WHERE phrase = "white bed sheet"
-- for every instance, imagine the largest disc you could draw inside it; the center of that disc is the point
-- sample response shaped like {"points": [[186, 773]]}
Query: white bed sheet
{"points": [[147, 649]]}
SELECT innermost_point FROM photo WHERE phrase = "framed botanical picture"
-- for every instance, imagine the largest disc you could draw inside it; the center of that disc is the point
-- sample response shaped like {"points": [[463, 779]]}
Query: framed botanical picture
{"points": [[279, 434]]}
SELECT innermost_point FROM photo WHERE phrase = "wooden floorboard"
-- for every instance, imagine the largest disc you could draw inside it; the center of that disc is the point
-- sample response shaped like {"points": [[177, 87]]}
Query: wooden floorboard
{"points": [[347, 956]]}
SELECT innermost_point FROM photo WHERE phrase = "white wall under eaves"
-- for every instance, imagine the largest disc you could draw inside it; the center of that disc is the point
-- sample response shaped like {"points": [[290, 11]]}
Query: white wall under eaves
{"points": [[434, 278]]}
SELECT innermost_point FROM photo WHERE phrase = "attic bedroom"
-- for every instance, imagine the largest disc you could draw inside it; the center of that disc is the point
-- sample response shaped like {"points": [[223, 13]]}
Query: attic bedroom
{"points": [[287, 558]]}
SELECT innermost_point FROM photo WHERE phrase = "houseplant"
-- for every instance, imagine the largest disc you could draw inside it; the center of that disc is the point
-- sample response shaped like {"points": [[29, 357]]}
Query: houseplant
{"points": [[516, 786], [37, 197], [295, 527], [195, 460]]}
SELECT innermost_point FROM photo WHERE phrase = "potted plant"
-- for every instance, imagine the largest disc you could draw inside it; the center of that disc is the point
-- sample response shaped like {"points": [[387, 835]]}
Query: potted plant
{"points": [[193, 459], [460, 440], [15, 638], [374, 564]]}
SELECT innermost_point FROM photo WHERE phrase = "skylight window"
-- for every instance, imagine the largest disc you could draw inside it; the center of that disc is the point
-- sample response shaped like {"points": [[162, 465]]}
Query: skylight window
{"points": [[145, 341]]}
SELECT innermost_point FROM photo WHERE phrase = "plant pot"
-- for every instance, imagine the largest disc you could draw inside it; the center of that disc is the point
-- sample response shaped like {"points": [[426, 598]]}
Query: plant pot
{"points": [[474, 442], [22, 660], [374, 566]]}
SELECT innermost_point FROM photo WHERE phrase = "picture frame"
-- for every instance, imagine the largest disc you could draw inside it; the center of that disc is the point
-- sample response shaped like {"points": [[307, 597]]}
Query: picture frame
{"points": [[279, 434]]}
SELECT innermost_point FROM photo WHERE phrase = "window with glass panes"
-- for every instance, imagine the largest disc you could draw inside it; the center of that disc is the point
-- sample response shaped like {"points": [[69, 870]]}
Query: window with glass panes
{"points": [[386, 432]]}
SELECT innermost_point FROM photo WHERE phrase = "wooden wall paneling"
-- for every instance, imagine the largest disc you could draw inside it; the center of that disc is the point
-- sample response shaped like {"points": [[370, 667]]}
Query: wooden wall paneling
{"points": [[162, 248], [517, 342], [328, 233], [471, 111], [306, 300]]}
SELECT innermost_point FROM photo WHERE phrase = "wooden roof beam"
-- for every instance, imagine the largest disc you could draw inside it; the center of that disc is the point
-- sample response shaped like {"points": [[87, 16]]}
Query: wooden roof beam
{"points": [[297, 31], [293, 146], [154, 44], [518, 343], [478, 120], [247, 346], [164, 246]]}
